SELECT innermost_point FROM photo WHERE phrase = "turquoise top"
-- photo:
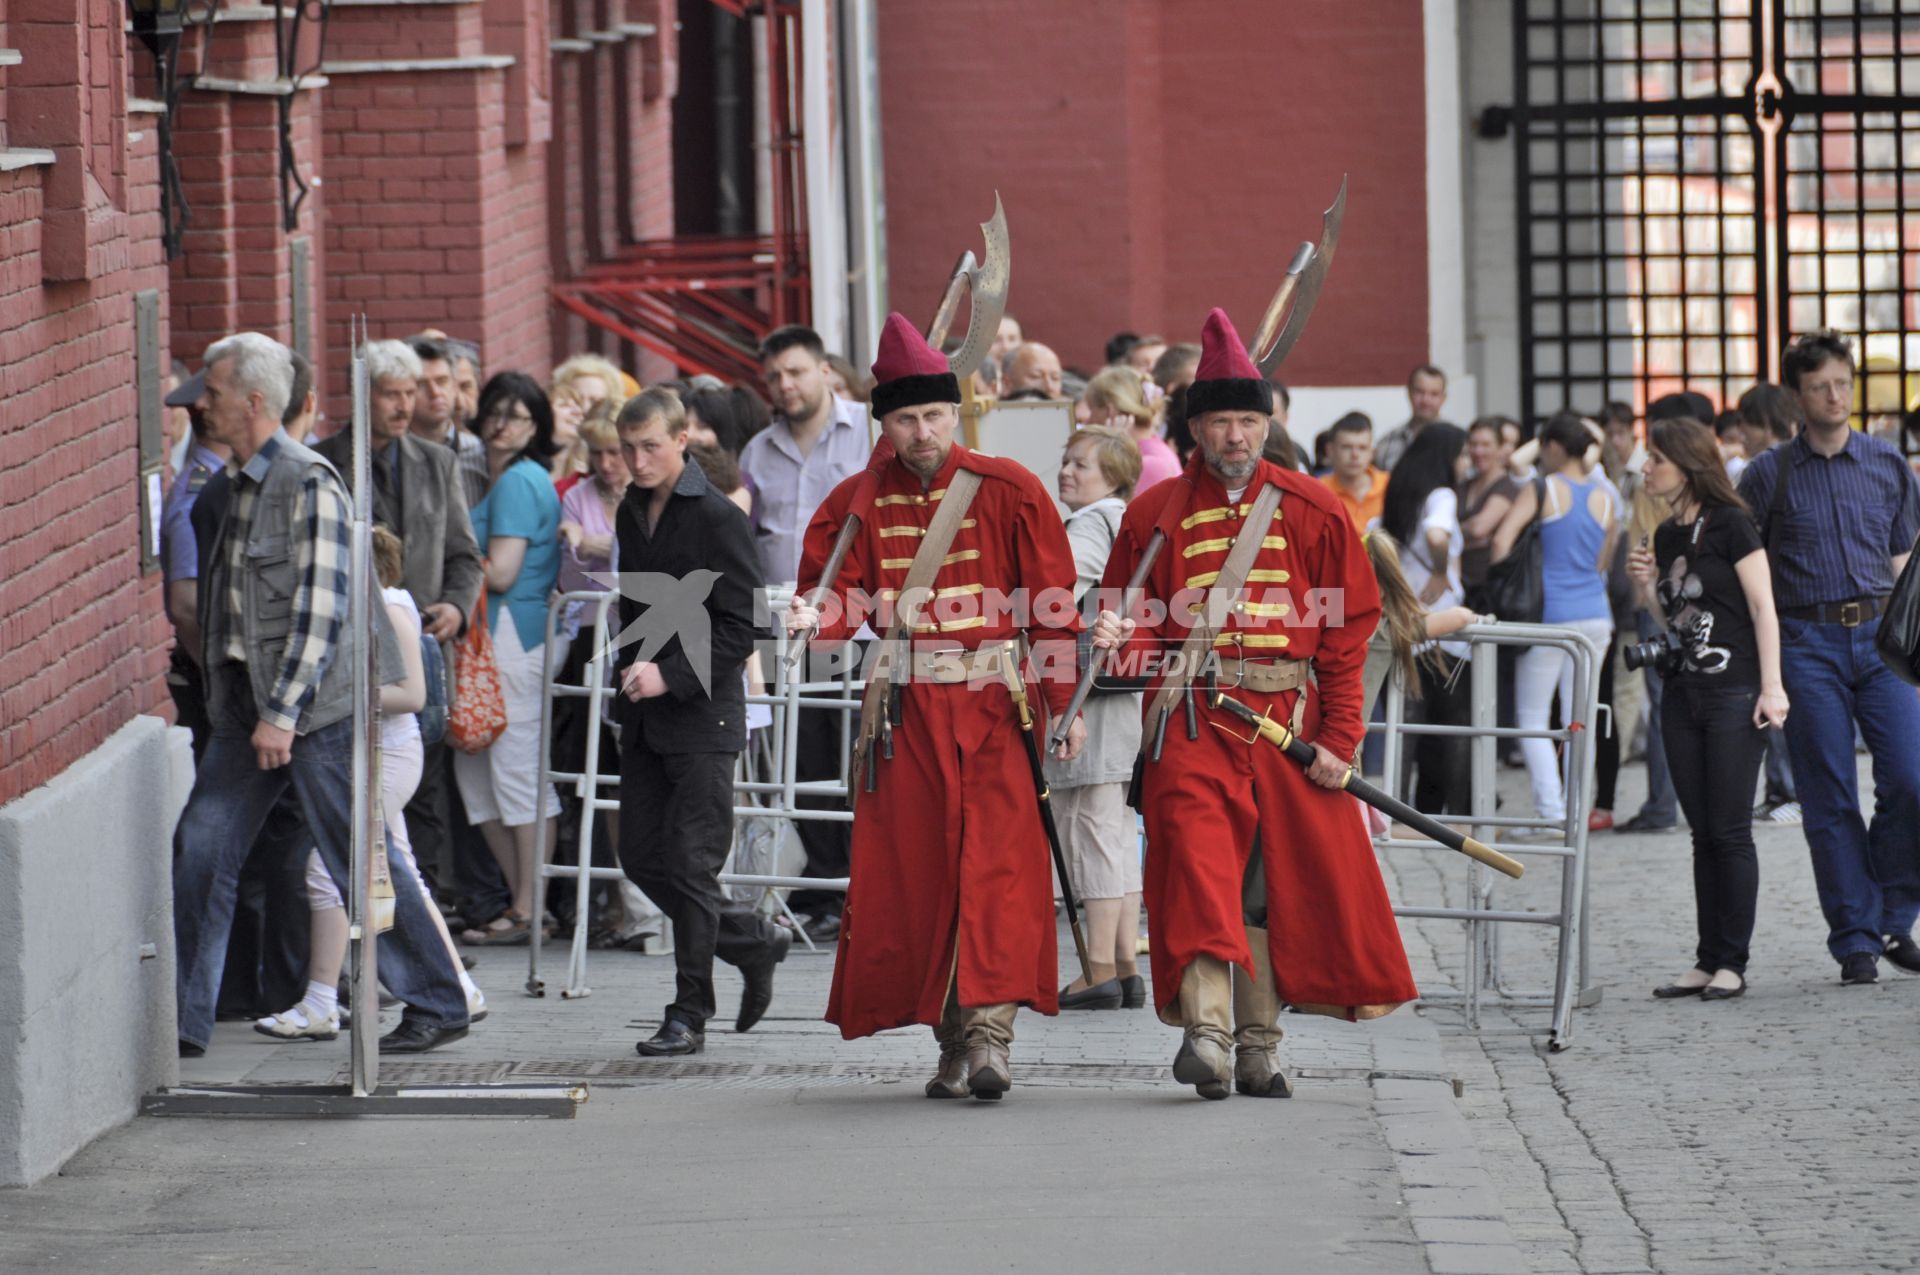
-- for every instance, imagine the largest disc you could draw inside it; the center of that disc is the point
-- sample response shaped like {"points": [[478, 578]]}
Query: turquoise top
{"points": [[1574, 586], [522, 503]]}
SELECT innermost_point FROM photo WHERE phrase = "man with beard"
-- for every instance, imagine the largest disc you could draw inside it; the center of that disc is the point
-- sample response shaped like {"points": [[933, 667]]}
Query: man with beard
{"points": [[1317, 931], [816, 441], [949, 918]]}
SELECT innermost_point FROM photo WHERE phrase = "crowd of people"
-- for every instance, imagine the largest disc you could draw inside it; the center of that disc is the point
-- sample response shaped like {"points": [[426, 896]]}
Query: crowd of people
{"points": [[1715, 558]]}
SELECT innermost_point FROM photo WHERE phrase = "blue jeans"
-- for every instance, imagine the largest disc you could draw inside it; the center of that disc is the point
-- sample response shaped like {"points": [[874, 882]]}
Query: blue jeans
{"points": [[1868, 876], [230, 801], [1662, 806]]}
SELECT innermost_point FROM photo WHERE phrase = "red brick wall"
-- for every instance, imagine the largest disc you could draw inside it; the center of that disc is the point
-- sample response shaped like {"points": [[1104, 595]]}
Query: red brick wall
{"points": [[1158, 157], [82, 632]]}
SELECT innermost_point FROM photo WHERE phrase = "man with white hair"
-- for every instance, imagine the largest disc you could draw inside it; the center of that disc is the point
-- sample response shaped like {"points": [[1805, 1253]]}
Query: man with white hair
{"points": [[1031, 366], [279, 660]]}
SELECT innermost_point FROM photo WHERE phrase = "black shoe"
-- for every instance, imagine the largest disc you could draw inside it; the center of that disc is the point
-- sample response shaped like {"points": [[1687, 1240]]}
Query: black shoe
{"points": [[1133, 992], [1860, 968], [190, 1050], [674, 1039], [1644, 823], [758, 993], [1674, 992], [415, 1037], [1107, 995], [824, 928], [1904, 952], [1725, 993]]}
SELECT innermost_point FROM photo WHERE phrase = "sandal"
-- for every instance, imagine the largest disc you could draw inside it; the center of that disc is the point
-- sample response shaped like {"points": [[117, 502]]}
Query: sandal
{"points": [[294, 1024], [513, 934]]}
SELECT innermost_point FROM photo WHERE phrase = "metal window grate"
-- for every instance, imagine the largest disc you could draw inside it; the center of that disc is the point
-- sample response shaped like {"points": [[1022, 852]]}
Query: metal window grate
{"points": [[1699, 180]]}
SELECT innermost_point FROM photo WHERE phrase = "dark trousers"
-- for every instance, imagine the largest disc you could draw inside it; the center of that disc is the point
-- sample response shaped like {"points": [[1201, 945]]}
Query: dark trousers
{"points": [[1606, 748], [231, 799], [828, 843], [449, 847], [266, 965], [1713, 752], [1444, 782], [676, 826]]}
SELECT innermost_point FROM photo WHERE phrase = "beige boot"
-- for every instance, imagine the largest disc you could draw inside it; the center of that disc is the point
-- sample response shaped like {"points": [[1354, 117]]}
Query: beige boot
{"points": [[951, 1080], [989, 1034], [1256, 1029], [1205, 1060]]}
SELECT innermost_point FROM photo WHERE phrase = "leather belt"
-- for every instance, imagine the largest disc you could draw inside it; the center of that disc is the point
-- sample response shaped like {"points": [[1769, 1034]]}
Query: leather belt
{"points": [[956, 665], [1850, 614], [1263, 678]]}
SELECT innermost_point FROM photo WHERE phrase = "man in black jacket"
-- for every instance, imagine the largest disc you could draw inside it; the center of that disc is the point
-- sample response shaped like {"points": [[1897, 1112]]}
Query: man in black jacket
{"points": [[689, 577]]}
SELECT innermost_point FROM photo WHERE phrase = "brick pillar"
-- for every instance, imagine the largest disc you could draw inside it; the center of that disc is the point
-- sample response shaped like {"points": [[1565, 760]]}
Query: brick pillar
{"points": [[236, 270], [436, 217]]}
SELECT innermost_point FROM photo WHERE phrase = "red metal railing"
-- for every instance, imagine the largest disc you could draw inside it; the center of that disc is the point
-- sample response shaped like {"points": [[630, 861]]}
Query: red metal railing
{"points": [[706, 302]]}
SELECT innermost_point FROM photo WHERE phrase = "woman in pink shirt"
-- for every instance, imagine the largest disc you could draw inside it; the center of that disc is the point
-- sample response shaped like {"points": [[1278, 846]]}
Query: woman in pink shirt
{"points": [[1116, 397]]}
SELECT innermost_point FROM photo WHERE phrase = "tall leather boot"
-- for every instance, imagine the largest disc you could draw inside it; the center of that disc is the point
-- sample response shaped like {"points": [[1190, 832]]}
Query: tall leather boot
{"points": [[951, 1080], [989, 1034], [1256, 1025], [1205, 1060]]}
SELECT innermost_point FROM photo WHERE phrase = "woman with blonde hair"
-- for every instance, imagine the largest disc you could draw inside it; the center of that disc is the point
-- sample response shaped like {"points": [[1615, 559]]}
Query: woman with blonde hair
{"points": [[1116, 398], [593, 378], [1099, 471]]}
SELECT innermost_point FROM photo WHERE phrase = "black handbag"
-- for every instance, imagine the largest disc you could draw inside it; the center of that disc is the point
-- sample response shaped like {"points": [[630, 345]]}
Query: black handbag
{"points": [[1514, 590], [1899, 636]]}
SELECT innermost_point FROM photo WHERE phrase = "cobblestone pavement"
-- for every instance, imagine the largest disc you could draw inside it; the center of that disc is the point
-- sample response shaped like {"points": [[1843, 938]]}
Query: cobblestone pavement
{"points": [[787, 1147], [1769, 1133]]}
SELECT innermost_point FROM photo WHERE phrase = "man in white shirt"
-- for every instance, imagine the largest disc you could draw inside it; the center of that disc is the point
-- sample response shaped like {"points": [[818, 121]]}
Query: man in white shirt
{"points": [[816, 440]]}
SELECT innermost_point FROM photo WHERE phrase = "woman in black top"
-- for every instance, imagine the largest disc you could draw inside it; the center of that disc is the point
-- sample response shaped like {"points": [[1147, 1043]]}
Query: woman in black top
{"points": [[1706, 579]]}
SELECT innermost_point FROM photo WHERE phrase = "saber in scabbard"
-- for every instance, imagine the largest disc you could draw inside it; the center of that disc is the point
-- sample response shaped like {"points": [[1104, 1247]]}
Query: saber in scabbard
{"points": [[1427, 826], [1018, 687]]}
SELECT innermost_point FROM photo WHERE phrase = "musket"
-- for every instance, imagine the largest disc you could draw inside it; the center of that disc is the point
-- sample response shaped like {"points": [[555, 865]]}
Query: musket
{"points": [[1271, 343], [1017, 686], [1426, 825], [986, 283]]}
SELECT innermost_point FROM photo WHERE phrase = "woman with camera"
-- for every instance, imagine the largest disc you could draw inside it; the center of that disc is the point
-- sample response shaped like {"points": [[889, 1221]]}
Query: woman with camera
{"points": [[1705, 577]]}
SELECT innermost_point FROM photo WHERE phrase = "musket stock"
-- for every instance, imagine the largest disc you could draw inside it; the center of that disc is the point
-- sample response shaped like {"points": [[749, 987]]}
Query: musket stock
{"points": [[1129, 598]]}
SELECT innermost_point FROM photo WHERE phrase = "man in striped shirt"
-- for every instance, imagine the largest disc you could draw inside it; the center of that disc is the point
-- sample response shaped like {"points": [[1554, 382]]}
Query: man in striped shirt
{"points": [[279, 659], [1843, 531]]}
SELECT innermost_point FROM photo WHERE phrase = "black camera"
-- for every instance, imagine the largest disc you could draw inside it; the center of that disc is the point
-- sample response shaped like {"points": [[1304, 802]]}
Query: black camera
{"points": [[1662, 653]]}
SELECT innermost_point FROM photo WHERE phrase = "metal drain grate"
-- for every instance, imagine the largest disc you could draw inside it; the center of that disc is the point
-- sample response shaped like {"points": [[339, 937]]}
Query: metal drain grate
{"points": [[711, 1072]]}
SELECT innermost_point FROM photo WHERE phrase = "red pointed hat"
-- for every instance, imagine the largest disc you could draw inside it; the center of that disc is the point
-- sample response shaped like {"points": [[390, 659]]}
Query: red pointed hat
{"points": [[1226, 380], [908, 371]]}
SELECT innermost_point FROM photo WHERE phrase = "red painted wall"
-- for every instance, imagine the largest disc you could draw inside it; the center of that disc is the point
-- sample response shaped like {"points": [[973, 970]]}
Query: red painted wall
{"points": [[1158, 157]]}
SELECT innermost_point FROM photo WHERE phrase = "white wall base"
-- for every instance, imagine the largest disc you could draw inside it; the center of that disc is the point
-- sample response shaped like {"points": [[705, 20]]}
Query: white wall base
{"points": [[86, 946]]}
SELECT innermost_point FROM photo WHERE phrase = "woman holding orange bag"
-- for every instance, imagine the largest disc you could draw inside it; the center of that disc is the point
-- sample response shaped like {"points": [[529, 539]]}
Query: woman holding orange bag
{"points": [[517, 526]]}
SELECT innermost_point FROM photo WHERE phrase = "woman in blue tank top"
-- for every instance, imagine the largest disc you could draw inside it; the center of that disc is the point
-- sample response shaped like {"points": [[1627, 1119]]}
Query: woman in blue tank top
{"points": [[1579, 524]]}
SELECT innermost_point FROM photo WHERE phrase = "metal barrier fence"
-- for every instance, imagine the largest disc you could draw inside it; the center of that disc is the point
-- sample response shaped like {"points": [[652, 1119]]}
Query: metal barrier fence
{"points": [[766, 785], [1483, 982], [767, 788]]}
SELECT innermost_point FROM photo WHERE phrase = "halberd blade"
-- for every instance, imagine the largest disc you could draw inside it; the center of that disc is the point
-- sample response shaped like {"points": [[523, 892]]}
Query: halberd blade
{"points": [[1311, 280], [989, 290]]}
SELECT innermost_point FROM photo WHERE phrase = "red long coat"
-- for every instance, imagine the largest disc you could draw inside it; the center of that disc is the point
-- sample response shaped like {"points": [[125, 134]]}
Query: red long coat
{"points": [[950, 840], [1331, 931]]}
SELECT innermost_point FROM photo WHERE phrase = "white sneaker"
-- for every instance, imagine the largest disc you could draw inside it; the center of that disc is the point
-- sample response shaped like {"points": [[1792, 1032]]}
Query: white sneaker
{"points": [[293, 1024], [1787, 812], [476, 1005]]}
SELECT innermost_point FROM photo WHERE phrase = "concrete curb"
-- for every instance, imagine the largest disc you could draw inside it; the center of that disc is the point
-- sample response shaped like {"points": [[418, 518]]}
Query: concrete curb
{"points": [[1449, 1196]]}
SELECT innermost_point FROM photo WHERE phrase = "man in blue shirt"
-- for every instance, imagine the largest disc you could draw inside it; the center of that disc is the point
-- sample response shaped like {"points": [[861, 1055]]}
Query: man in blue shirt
{"points": [[1836, 541]]}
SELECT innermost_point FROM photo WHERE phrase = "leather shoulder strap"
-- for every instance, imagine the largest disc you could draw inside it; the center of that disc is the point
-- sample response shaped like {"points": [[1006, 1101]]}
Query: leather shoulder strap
{"points": [[1233, 574], [920, 574]]}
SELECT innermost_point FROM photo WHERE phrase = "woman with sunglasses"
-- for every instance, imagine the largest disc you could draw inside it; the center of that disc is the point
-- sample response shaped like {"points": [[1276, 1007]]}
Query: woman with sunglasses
{"points": [[1705, 577]]}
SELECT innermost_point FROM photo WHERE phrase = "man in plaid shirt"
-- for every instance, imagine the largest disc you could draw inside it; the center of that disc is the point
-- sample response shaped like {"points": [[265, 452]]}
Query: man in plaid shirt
{"points": [[279, 659]]}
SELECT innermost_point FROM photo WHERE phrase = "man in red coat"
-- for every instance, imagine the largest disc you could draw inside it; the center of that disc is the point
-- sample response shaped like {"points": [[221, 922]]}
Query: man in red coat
{"points": [[1291, 641], [949, 918]]}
